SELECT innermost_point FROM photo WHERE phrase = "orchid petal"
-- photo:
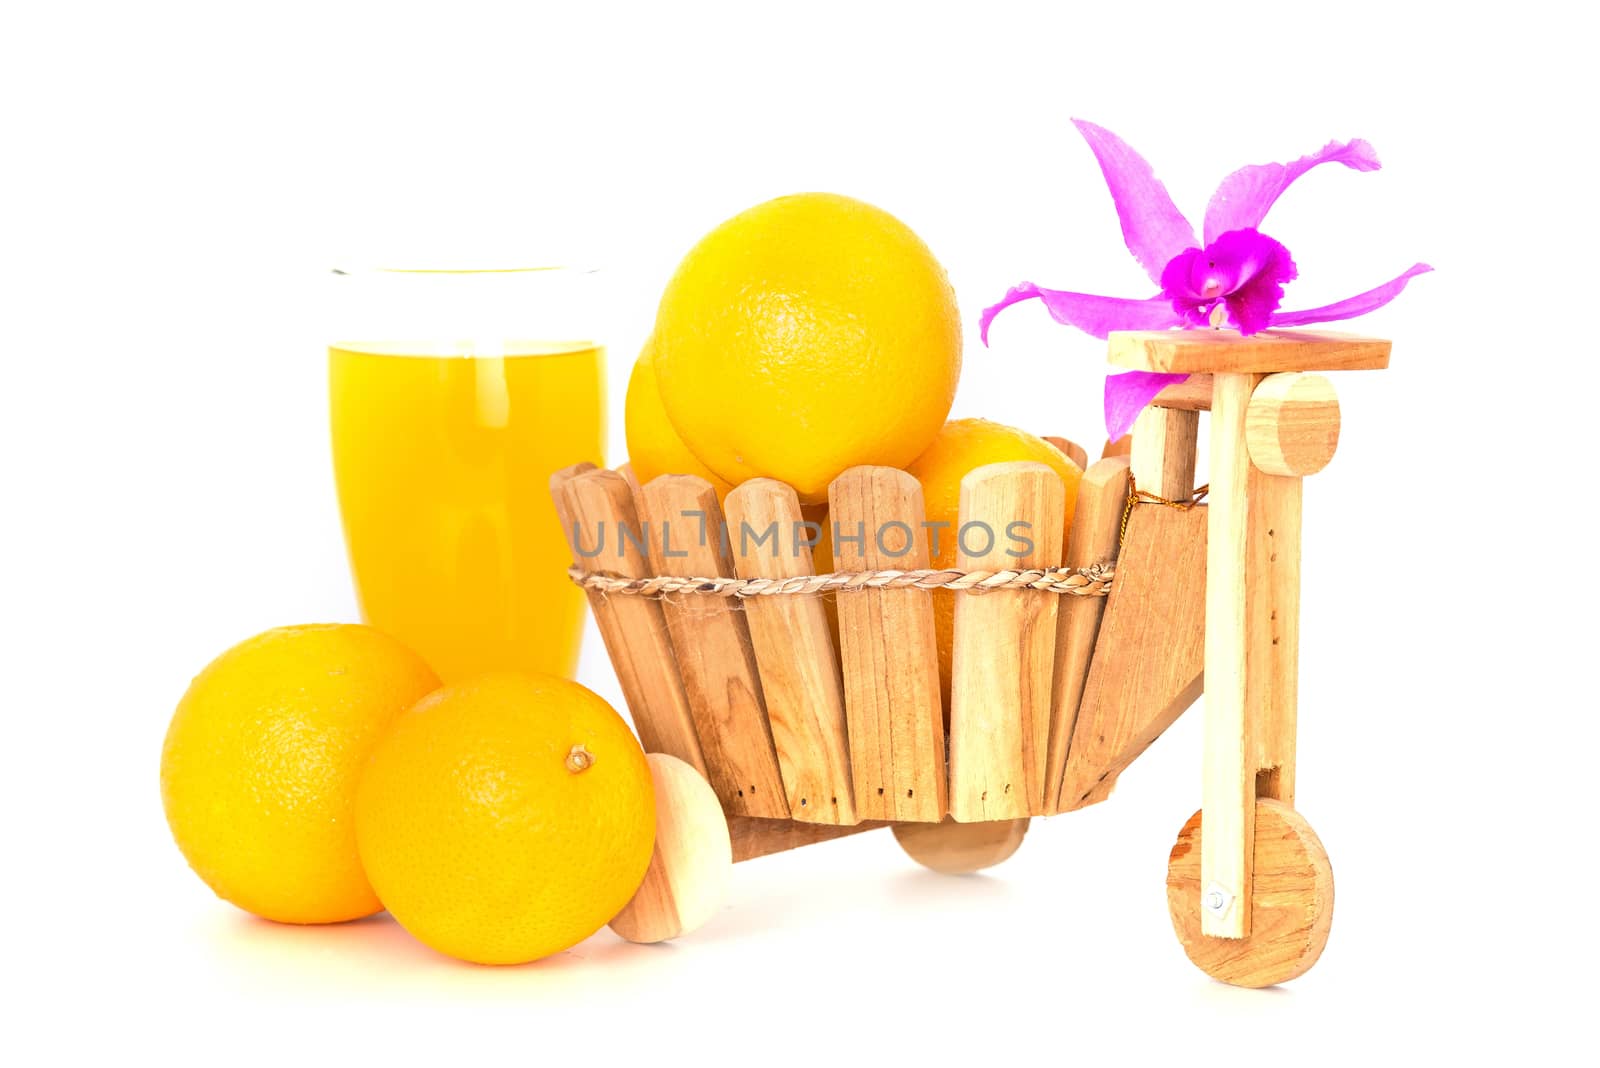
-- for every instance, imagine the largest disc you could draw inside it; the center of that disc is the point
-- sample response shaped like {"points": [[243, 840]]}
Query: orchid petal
{"points": [[1244, 269], [1096, 316], [1265, 265], [1349, 308], [1179, 286], [1024, 291], [1128, 394], [1152, 226], [1244, 197]]}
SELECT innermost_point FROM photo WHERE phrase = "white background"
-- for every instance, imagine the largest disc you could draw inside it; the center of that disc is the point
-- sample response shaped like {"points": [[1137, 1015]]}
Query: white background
{"points": [[176, 180]]}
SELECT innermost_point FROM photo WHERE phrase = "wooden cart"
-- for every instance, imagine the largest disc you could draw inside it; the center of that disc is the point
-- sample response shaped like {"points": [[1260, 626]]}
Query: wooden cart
{"points": [[1056, 688]]}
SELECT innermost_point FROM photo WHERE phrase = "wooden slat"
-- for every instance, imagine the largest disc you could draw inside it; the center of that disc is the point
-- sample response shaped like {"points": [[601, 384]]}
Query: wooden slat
{"points": [[890, 658], [1004, 645], [1123, 446], [1193, 394], [754, 838], [1149, 654], [633, 628], [626, 471], [1273, 693], [1135, 697], [1072, 450], [1102, 495], [1191, 351], [1229, 780], [1252, 645], [1163, 457], [800, 677], [712, 646]]}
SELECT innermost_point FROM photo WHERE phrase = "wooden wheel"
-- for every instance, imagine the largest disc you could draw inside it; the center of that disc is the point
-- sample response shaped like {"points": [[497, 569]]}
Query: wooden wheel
{"points": [[1291, 908], [692, 864], [960, 848]]}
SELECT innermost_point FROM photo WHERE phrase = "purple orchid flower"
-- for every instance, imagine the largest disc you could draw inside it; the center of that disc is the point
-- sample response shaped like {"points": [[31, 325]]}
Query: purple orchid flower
{"points": [[1237, 277]]}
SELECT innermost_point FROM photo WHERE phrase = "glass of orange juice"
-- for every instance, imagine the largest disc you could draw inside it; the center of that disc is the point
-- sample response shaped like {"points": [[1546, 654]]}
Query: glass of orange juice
{"points": [[454, 395]]}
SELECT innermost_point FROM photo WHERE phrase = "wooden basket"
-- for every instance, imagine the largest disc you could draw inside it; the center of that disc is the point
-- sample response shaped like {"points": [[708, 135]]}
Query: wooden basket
{"points": [[1053, 694]]}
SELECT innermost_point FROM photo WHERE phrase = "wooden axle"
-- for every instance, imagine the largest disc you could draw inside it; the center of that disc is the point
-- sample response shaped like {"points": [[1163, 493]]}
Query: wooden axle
{"points": [[1292, 424]]}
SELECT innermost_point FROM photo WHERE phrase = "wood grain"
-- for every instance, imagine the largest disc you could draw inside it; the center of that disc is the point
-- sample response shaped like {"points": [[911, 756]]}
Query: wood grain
{"points": [[890, 659], [1096, 524], [1072, 450], [691, 866], [1148, 651], [754, 838], [1229, 779], [953, 848], [1192, 394], [1163, 457], [1273, 608], [626, 471], [712, 646], [800, 675], [1149, 655], [633, 628], [1004, 644], [1123, 446], [1291, 906], [1192, 351], [1292, 425]]}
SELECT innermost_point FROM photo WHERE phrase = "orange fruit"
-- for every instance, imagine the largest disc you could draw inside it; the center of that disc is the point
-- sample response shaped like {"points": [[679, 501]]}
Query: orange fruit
{"points": [[654, 448], [262, 759], [506, 818], [961, 446], [804, 336]]}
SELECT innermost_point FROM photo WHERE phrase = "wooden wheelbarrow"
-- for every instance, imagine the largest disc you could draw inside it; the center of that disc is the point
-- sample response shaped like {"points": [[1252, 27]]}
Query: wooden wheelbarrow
{"points": [[1068, 660]]}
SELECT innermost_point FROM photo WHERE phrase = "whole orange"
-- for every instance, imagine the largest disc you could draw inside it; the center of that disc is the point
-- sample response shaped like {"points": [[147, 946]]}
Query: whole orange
{"points": [[506, 818], [261, 762], [654, 447], [805, 336]]}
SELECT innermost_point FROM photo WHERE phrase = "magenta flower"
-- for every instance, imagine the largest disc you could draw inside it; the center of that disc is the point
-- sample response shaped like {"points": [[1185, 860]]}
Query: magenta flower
{"points": [[1237, 278]]}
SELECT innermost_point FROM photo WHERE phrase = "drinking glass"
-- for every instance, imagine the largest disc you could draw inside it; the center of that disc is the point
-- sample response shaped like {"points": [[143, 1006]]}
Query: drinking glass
{"points": [[453, 397]]}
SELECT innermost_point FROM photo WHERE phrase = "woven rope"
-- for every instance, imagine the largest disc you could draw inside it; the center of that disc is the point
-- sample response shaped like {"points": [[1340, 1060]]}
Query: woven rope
{"points": [[1092, 581], [1072, 581]]}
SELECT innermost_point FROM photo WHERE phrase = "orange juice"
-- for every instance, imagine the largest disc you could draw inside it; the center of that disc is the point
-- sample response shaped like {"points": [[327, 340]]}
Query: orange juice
{"points": [[442, 463]]}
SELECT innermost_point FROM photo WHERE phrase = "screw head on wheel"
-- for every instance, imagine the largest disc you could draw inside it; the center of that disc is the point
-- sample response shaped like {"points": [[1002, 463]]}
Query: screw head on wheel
{"points": [[1291, 903]]}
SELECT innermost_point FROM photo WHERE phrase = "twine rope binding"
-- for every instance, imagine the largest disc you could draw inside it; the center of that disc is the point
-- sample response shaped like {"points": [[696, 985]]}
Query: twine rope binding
{"points": [[1092, 581]]}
